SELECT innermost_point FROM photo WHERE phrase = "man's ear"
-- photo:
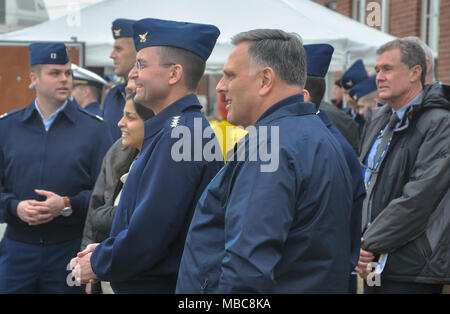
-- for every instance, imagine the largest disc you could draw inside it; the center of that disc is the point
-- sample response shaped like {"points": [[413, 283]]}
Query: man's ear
{"points": [[34, 78], [415, 74], [267, 80], [87, 91], [428, 66], [306, 95], [175, 74]]}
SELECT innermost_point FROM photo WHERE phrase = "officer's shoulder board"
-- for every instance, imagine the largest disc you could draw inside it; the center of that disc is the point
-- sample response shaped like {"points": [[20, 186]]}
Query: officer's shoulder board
{"points": [[175, 121], [11, 113], [96, 116]]}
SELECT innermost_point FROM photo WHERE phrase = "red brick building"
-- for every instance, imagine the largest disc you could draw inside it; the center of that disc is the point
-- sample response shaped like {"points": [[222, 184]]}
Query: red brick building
{"points": [[426, 19]]}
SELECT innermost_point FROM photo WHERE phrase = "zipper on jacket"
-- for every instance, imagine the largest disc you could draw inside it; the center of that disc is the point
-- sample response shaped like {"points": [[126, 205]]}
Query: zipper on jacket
{"points": [[203, 287]]}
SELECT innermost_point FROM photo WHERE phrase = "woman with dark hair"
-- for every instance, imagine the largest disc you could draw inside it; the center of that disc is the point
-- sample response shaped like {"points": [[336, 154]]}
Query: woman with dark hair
{"points": [[116, 165]]}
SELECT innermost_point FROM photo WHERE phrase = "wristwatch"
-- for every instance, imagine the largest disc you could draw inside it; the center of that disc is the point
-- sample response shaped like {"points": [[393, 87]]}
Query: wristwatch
{"points": [[67, 210]]}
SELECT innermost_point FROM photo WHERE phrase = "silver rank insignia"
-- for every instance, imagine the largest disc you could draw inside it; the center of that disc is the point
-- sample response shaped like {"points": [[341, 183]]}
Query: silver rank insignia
{"points": [[3, 115], [175, 121]]}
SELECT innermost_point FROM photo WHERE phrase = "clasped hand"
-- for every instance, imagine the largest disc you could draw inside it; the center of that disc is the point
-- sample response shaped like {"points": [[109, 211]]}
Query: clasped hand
{"points": [[38, 212], [81, 265]]}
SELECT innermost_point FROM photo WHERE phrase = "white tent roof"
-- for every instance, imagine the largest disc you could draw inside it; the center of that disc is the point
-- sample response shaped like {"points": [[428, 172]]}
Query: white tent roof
{"points": [[313, 22]]}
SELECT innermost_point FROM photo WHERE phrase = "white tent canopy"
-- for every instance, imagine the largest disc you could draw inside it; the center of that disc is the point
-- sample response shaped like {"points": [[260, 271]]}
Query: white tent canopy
{"points": [[313, 22]]}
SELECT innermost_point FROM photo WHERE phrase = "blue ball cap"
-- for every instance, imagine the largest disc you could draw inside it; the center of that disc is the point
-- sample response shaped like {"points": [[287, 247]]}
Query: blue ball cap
{"points": [[48, 53], [318, 58], [122, 28], [354, 75], [363, 88], [196, 38]]}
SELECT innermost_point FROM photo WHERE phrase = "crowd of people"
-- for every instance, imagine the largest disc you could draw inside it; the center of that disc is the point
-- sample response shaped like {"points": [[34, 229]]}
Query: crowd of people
{"points": [[95, 200]]}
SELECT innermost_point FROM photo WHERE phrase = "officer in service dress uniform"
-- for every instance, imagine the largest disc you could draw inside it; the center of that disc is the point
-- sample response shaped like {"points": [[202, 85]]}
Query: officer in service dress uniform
{"points": [[87, 89], [355, 74], [143, 252], [365, 94], [124, 56], [50, 155]]}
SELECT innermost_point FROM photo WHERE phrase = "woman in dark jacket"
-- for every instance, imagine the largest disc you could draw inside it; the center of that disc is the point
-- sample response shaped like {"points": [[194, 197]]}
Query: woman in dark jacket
{"points": [[116, 164]]}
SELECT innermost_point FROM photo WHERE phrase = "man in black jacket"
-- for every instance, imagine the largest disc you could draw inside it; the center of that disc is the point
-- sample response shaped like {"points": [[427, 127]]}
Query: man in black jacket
{"points": [[405, 150]]}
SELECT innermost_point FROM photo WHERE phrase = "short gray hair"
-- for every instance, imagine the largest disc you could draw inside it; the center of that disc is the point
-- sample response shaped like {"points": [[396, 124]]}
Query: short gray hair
{"points": [[281, 51], [411, 53], [428, 53]]}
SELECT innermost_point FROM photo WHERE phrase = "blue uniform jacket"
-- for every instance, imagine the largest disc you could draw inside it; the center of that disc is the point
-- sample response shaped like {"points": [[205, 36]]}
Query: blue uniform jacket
{"points": [[65, 160], [157, 202], [94, 108], [285, 231], [359, 191], [113, 109]]}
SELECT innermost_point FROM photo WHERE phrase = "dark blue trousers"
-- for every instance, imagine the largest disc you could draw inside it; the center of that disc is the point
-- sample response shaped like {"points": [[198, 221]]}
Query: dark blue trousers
{"points": [[29, 268]]}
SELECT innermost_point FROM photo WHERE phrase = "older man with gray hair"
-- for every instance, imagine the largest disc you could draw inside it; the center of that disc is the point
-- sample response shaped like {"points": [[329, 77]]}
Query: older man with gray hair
{"points": [[405, 151], [431, 69], [278, 230]]}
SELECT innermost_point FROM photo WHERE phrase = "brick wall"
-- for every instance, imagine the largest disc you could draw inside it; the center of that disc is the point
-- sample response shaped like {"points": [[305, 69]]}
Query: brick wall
{"points": [[344, 7], [444, 42], [322, 2], [405, 20]]}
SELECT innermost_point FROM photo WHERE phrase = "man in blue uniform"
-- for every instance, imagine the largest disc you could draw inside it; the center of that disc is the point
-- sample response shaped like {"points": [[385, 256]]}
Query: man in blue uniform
{"points": [[143, 252], [318, 58], [355, 74], [365, 95], [87, 89], [124, 56], [50, 154], [271, 230]]}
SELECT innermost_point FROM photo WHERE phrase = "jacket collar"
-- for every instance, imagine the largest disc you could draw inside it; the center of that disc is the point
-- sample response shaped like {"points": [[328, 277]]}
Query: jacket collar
{"points": [[290, 106], [324, 117], [156, 123], [70, 111], [120, 88]]}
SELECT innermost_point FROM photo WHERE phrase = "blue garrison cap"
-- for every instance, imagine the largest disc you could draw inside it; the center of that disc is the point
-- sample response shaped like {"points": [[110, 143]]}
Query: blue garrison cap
{"points": [[196, 38], [355, 74], [363, 88], [48, 53], [122, 28], [318, 58]]}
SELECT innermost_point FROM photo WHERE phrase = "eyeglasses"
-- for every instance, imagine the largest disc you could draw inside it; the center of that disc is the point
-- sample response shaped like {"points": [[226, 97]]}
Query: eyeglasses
{"points": [[140, 65]]}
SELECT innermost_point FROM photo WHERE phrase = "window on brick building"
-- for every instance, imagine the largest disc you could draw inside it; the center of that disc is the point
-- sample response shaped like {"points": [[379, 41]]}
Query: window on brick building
{"points": [[358, 10], [429, 29]]}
